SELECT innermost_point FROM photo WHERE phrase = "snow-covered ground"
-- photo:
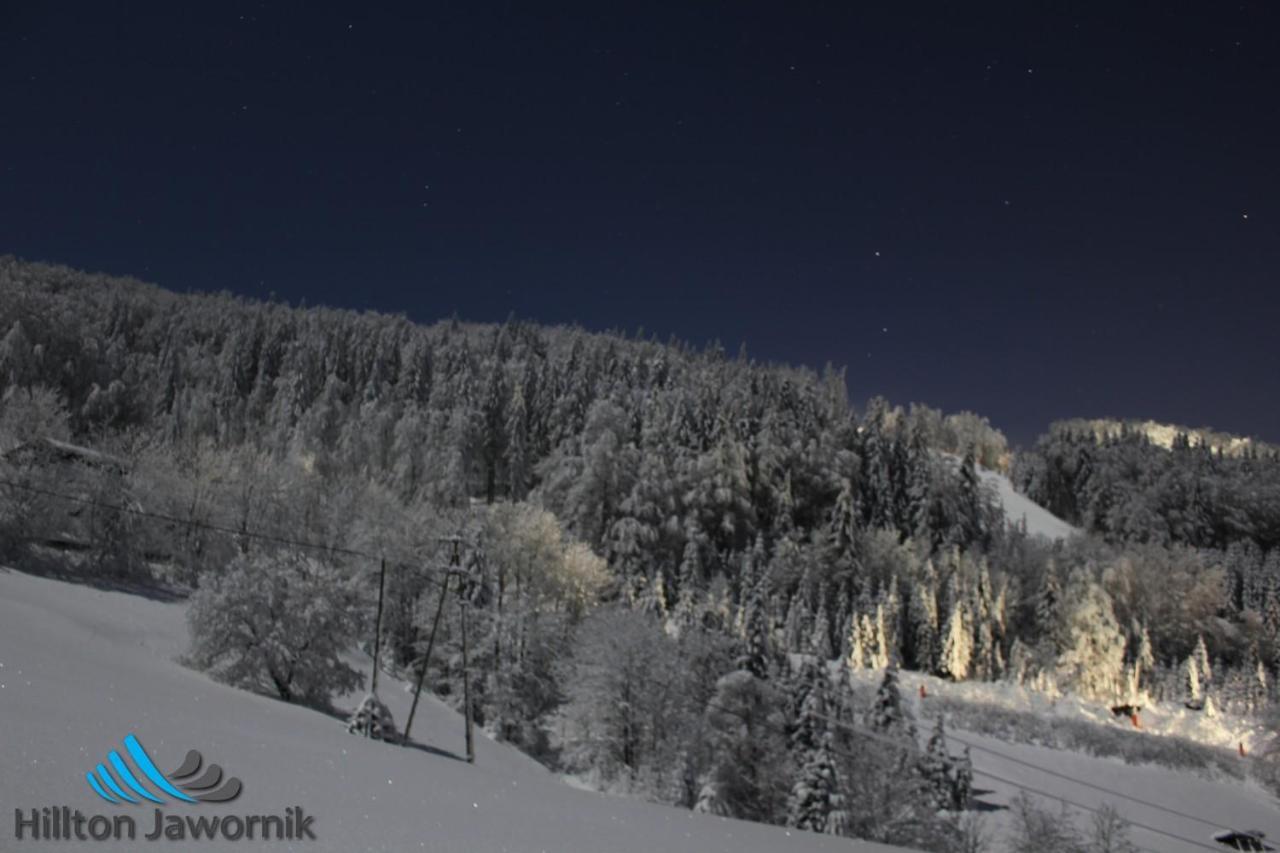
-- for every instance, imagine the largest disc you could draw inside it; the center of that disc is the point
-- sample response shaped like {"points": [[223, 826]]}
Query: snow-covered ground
{"points": [[1183, 803], [1019, 509], [1227, 731], [1189, 808], [81, 668]]}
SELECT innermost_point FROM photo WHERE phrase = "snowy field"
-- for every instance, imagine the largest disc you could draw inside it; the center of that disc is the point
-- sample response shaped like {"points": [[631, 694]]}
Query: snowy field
{"points": [[81, 668]]}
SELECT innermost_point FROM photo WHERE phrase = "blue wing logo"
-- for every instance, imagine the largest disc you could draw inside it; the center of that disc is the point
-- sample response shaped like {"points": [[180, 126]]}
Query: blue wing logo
{"points": [[119, 780]]}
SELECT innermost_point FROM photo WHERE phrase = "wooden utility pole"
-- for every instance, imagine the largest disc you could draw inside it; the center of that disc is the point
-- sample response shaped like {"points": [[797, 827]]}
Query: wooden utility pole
{"points": [[464, 605], [454, 560], [377, 628]]}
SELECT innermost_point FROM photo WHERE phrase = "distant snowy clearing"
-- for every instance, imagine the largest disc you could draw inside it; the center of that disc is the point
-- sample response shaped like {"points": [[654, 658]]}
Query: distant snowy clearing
{"points": [[1019, 509]]}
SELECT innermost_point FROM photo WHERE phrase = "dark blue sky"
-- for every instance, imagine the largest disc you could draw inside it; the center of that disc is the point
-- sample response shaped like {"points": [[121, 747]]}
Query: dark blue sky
{"points": [[1032, 214]]}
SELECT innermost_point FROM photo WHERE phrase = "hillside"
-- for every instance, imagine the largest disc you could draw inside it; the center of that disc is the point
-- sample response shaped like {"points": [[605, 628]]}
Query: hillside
{"points": [[651, 537], [80, 668]]}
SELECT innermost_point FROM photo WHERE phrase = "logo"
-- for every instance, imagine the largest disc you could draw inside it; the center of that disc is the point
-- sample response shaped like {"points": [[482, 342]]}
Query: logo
{"points": [[130, 777], [124, 785]]}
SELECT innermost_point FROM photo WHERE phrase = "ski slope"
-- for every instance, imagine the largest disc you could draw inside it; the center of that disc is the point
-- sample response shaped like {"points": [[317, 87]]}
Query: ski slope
{"points": [[80, 668], [1018, 508], [1181, 803], [1184, 811]]}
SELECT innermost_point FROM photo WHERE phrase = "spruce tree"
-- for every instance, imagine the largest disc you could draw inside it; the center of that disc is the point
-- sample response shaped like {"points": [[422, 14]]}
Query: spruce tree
{"points": [[820, 638], [815, 789], [935, 765], [924, 612], [816, 792], [888, 714], [756, 626]]}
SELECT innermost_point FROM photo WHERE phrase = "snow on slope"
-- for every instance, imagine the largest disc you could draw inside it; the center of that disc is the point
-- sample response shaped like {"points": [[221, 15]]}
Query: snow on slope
{"points": [[1019, 508], [1184, 804], [1202, 806], [81, 668]]}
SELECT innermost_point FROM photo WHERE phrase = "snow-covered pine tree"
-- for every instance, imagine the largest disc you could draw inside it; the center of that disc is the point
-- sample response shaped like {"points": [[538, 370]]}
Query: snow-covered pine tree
{"points": [[920, 484], [820, 639], [1203, 667], [798, 684], [372, 719], [1255, 681], [892, 621], [957, 645], [756, 628], [857, 657], [924, 628], [935, 765], [795, 631], [842, 526], [816, 792], [1144, 659], [843, 612], [887, 713], [690, 579], [1049, 609], [881, 655], [1092, 658], [1191, 680]]}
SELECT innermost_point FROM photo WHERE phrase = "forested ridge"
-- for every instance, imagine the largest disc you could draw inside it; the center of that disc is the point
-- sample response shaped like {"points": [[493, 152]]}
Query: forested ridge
{"points": [[1126, 487], [667, 545]]}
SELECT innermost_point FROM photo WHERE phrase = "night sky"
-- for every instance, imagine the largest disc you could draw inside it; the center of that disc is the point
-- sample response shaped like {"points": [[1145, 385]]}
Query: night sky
{"points": [[1026, 213]]}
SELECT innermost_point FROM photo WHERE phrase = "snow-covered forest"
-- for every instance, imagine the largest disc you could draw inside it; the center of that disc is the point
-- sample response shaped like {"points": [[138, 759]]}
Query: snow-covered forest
{"points": [[674, 552]]}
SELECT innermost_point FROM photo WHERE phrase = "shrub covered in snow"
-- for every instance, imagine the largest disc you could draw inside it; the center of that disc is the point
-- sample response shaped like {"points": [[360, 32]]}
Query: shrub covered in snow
{"points": [[277, 622], [372, 719]]}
